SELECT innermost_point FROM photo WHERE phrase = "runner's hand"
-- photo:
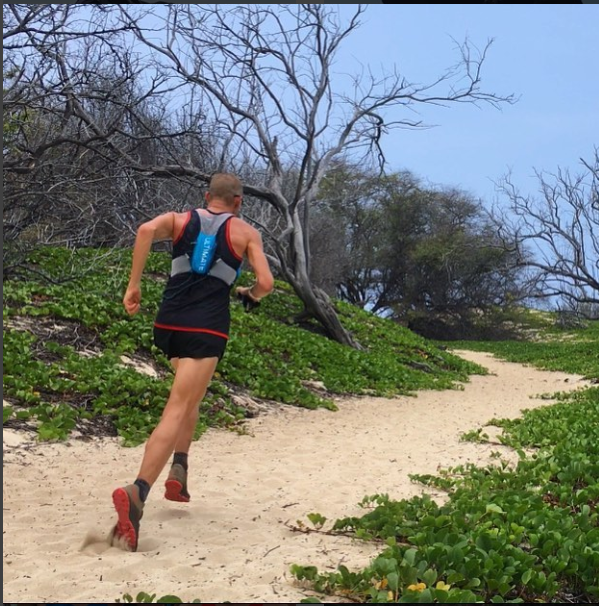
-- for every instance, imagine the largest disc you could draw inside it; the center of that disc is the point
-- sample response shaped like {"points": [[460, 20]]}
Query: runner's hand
{"points": [[244, 295], [132, 300]]}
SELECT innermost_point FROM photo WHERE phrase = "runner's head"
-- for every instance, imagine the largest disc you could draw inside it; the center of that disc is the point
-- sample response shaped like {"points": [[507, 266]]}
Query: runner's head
{"points": [[226, 189]]}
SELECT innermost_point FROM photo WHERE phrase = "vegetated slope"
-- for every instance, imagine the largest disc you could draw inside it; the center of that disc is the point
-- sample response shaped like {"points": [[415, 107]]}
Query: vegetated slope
{"points": [[66, 332]]}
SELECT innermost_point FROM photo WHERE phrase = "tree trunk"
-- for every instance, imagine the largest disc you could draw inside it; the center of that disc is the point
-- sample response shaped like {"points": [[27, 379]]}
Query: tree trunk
{"points": [[325, 313], [317, 303], [319, 306]]}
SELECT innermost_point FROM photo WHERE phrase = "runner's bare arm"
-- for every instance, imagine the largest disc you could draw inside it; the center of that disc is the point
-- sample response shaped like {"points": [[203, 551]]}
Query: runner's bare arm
{"points": [[159, 228], [259, 263]]}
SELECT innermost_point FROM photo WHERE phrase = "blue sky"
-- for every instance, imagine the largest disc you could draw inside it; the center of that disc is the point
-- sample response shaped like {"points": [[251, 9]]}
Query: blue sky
{"points": [[546, 55]]}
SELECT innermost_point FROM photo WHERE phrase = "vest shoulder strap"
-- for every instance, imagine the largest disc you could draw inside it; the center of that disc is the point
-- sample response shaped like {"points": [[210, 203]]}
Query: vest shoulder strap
{"points": [[210, 224]]}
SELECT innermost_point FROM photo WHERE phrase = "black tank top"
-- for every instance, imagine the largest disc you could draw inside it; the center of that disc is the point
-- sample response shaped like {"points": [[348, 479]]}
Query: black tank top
{"points": [[195, 303]]}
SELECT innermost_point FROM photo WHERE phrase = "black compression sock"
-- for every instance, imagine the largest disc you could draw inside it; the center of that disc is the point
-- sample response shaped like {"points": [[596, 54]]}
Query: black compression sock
{"points": [[144, 489], [180, 458]]}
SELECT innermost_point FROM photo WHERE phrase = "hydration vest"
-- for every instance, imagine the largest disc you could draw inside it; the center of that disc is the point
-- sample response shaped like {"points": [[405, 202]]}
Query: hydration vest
{"points": [[202, 261]]}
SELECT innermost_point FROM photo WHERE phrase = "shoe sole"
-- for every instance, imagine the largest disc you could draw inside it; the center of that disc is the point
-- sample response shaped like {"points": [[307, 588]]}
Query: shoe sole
{"points": [[124, 527], [173, 492]]}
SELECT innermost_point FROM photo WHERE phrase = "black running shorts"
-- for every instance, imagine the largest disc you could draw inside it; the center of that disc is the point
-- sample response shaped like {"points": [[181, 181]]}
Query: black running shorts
{"points": [[184, 344]]}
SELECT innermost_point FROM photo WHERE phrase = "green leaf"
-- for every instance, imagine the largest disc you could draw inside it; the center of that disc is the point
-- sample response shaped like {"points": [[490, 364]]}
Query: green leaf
{"points": [[7, 412], [317, 520], [393, 580], [430, 577], [410, 556], [145, 598], [526, 577]]}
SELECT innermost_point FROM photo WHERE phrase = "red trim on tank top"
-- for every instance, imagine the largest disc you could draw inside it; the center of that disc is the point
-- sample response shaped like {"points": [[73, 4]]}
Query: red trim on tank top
{"points": [[229, 242], [176, 240], [187, 329]]}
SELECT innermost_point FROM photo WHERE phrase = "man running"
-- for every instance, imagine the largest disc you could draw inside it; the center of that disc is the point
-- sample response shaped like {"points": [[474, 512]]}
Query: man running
{"points": [[191, 328]]}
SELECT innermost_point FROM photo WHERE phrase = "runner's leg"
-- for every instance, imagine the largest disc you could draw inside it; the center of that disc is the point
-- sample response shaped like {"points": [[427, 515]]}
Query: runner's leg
{"points": [[192, 377]]}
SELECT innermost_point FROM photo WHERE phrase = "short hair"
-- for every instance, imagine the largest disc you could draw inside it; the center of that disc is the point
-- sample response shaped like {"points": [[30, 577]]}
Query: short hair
{"points": [[226, 187]]}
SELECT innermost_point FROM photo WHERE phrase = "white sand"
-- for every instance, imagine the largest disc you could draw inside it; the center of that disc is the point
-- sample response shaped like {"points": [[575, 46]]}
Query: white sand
{"points": [[230, 542]]}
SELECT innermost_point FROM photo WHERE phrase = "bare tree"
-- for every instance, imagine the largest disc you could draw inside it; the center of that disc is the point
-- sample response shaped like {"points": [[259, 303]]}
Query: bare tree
{"points": [[267, 76], [78, 111], [561, 230], [262, 76]]}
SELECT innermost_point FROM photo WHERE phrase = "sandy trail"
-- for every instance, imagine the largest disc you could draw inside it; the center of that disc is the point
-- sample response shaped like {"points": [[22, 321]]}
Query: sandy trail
{"points": [[231, 543]]}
